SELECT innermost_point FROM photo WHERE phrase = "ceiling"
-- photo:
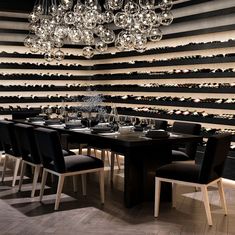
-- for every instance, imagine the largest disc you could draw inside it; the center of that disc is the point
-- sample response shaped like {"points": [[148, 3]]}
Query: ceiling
{"points": [[27, 5], [17, 5]]}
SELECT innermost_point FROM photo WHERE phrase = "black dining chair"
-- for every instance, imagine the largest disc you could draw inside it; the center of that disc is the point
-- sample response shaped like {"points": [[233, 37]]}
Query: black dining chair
{"points": [[54, 162], [9, 142], [208, 173], [187, 152], [29, 152]]}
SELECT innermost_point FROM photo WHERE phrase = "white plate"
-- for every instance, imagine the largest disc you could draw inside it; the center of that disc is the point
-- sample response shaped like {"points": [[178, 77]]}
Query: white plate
{"points": [[109, 133], [80, 129]]}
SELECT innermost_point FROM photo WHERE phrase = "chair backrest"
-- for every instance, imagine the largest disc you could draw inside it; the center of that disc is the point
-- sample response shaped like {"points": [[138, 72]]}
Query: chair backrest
{"points": [[188, 128], [160, 124], [27, 143], [50, 149], [217, 149], [8, 138]]}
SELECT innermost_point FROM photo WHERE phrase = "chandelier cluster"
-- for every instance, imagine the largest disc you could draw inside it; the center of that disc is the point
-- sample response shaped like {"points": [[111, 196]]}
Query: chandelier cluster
{"points": [[126, 24]]}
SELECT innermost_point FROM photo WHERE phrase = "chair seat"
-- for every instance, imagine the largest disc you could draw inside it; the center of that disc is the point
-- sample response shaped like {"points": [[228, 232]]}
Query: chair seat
{"points": [[180, 171], [178, 155], [67, 153], [79, 163]]}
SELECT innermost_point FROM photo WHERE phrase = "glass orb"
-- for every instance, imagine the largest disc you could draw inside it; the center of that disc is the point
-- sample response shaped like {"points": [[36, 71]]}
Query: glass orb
{"points": [[34, 48], [140, 43], [58, 42], [48, 25], [101, 47], [79, 8], [108, 36], [53, 9], [88, 37], [108, 16], [90, 4], [127, 40], [144, 28], [115, 4], [155, 34], [90, 24], [132, 8], [61, 31], [149, 17], [120, 20], [78, 20], [147, 4], [75, 35], [46, 46], [33, 17], [48, 56], [57, 19], [33, 27], [28, 41], [100, 19], [60, 10], [69, 18], [88, 52], [90, 19], [38, 9], [67, 4], [166, 5], [158, 20], [99, 30], [130, 23], [119, 45], [59, 55], [41, 32], [166, 18]]}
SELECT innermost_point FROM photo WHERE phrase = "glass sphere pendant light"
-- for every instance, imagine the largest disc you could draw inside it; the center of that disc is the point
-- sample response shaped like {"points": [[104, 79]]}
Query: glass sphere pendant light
{"points": [[124, 24]]}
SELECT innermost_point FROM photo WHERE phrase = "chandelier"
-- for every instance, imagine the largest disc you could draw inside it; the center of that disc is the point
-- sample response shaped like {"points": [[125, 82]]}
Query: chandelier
{"points": [[95, 25]]}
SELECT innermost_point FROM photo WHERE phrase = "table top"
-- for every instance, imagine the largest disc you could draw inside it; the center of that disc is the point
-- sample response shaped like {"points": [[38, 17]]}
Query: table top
{"points": [[130, 139]]}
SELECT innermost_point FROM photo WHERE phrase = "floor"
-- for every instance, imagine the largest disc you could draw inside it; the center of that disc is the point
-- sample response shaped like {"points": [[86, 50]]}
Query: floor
{"points": [[20, 214]]}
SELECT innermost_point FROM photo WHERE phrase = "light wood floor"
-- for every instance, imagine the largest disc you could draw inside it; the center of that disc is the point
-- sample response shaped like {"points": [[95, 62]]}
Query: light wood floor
{"points": [[19, 214]]}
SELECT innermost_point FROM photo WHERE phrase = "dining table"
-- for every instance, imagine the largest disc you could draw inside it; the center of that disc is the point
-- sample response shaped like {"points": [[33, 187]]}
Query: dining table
{"points": [[142, 156]]}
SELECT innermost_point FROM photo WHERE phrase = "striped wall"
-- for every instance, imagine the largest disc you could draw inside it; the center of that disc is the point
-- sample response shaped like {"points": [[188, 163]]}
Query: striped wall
{"points": [[189, 75]]}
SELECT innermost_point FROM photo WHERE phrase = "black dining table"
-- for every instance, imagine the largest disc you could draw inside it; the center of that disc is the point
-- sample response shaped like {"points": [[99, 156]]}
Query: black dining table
{"points": [[142, 156]]}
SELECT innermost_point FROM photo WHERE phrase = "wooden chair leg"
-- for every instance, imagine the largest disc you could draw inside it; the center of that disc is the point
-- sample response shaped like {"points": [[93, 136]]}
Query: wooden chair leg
{"points": [[118, 161], [157, 197], [102, 186], [44, 178], [174, 195], [80, 149], [112, 165], [108, 156], [88, 151], [95, 152], [222, 196], [16, 169], [59, 190], [103, 155], [22, 172], [35, 179], [4, 167], [206, 204], [75, 183], [83, 176]]}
